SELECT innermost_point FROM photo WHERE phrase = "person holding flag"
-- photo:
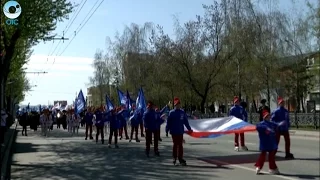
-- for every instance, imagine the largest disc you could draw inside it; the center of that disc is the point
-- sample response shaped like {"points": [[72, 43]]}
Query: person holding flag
{"points": [[267, 131], [122, 115], [278, 115], [176, 121], [135, 117], [238, 112]]}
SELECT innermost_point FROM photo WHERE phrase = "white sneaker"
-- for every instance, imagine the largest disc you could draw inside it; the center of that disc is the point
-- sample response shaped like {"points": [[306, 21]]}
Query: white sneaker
{"points": [[3, 145], [109, 145], [244, 148], [236, 148], [258, 170], [274, 171]]}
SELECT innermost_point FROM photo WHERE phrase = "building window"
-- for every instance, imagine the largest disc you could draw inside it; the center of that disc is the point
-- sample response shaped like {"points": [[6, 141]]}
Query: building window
{"points": [[315, 97]]}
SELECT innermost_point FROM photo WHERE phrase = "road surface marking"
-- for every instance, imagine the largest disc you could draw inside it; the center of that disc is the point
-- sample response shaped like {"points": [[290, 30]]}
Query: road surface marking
{"points": [[250, 169]]}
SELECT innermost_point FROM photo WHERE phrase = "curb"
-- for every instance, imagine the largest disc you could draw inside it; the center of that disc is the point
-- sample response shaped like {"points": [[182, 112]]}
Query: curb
{"points": [[6, 157], [299, 134], [315, 134]]}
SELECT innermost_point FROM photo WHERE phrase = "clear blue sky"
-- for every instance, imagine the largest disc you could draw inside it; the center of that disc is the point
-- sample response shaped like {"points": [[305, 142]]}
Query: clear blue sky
{"points": [[70, 71]]}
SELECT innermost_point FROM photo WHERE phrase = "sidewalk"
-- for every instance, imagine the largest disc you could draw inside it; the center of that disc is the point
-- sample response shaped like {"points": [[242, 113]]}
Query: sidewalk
{"points": [[5, 150], [305, 133], [299, 133]]}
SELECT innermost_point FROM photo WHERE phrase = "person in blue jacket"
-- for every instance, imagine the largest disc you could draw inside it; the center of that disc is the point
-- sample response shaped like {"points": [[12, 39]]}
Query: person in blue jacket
{"points": [[278, 115], [135, 117], [176, 121], [238, 112], [99, 118], [150, 119], [160, 120], [114, 126], [267, 131], [88, 117], [122, 115]]}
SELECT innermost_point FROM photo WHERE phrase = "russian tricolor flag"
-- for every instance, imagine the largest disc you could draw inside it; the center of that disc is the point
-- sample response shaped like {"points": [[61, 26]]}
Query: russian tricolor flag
{"points": [[215, 127]]}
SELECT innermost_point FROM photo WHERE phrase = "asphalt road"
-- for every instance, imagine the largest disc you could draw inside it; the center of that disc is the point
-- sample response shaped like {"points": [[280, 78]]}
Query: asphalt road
{"points": [[62, 156]]}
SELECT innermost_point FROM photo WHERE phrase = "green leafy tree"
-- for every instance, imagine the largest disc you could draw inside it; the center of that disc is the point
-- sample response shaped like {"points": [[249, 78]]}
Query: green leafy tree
{"points": [[36, 23]]}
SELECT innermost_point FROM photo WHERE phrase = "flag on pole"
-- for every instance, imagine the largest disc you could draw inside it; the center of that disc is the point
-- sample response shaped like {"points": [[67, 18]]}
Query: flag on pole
{"points": [[80, 103], [141, 101], [109, 104], [122, 98]]}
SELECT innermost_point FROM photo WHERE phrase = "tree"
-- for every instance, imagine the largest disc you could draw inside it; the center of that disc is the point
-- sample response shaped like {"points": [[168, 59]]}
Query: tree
{"points": [[198, 52], [37, 21], [101, 75], [234, 49]]}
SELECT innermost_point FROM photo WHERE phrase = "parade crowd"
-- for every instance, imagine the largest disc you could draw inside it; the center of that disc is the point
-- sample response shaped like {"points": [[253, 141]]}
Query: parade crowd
{"points": [[148, 124]]}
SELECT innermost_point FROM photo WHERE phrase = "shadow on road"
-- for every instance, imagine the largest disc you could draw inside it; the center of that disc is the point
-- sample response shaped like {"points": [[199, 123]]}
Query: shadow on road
{"points": [[85, 160], [234, 159]]}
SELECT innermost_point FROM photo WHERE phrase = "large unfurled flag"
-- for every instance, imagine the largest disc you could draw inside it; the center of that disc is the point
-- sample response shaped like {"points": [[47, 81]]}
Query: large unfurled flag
{"points": [[215, 127], [141, 101], [109, 104], [122, 98], [80, 103]]}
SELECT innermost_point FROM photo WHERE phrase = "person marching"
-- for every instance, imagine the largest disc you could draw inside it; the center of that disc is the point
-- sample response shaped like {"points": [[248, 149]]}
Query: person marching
{"points": [[114, 126], [76, 123], [123, 123], [141, 125], [88, 120], [240, 113], [161, 119], [58, 118], [99, 122], [263, 108], [23, 122], [64, 119], [268, 142], [176, 121], [69, 120], [50, 121], [134, 120], [278, 115], [150, 119], [43, 122]]}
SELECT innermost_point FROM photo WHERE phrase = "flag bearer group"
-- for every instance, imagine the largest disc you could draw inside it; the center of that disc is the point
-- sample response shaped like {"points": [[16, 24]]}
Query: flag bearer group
{"points": [[271, 127], [151, 120]]}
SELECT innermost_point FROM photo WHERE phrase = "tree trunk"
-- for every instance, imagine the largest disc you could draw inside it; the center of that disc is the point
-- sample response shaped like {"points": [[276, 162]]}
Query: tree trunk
{"points": [[268, 86]]}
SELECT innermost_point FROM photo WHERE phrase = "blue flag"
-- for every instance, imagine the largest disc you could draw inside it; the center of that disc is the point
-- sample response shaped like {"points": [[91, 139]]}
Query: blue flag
{"points": [[79, 103], [109, 104], [141, 101], [129, 103], [122, 98]]}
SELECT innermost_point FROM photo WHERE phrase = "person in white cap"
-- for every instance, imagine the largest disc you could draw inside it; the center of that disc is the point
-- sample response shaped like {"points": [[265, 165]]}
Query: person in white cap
{"points": [[3, 126]]}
